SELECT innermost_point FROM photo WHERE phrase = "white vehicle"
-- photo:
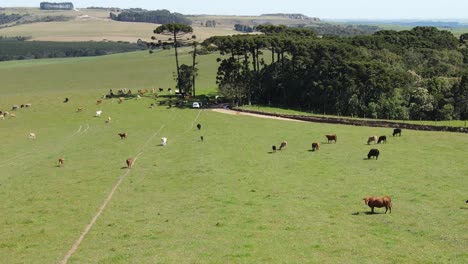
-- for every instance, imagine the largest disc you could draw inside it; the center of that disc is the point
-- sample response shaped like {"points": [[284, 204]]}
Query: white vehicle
{"points": [[196, 105]]}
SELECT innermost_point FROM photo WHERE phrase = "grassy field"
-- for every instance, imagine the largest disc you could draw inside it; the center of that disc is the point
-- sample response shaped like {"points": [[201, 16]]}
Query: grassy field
{"points": [[93, 25], [224, 200], [267, 109], [98, 30]]}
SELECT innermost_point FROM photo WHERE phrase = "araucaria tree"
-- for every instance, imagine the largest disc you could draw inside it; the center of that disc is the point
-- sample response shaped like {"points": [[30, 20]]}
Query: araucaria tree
{"points": [[177, 33]]}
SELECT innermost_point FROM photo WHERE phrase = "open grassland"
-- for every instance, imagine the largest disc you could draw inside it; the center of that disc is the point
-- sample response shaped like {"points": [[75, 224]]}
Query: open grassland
{"points": [[224, 200], [98, 30], [92, 25], [267, 109]]}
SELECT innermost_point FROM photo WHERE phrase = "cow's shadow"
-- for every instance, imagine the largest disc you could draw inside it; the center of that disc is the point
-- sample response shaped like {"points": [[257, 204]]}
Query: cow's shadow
{"points": [[124, 167], [368, 213]]}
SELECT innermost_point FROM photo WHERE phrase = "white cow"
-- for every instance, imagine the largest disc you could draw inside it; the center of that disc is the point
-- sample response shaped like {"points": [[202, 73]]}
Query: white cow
{"points": [[32, 136], [98, 113], [163, 141]]}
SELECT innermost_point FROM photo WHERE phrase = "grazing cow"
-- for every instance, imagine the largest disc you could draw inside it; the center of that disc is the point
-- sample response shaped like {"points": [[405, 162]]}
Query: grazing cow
{"points": [[201, 138], [12, 115], [152, 105], [382, 139], [27, 105], [98, 101], [98, 113], [109, 119], [61, 162], [161, 89], [2, 117], [129, 162], [32, 136], [283, 145], [372, 139], [163, 141], [153, 90], [379, 202], [22, 106], [397, 131], [466, 201], [15, 107], [331, 138], [373, 153], [138, 97], [169, 90], [66, 100], [123, 135], [273, 148], [315, 146], [199, 126], [121, 99]]}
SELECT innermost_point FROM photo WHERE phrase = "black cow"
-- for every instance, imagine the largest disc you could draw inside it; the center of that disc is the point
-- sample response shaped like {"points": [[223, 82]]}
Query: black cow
{"points": [[382, 139], [397, 131], [373, 153], [66, 100], [198, 126], [201, 138], [161, 89], [273, 148]]}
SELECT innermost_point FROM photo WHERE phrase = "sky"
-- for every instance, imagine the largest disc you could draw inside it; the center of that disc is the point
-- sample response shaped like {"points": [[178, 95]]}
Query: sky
{"points": [[324, 9]]}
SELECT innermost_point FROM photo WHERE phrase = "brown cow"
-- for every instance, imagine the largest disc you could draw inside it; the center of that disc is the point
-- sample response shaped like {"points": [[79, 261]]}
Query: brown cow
{"points": [[283, 145], [61, 162], [123, 135], [98, 102], [379, 202], [315, 146], [372, 139], [331, 138], [129, 162]]}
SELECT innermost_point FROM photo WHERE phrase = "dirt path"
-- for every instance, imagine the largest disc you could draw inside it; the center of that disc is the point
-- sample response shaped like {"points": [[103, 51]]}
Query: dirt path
{"points": [[232, 112]]}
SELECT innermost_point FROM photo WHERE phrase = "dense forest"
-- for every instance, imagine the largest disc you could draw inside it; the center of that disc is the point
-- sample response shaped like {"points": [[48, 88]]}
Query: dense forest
{"points": [[325, 29], [17, 49], [413, 74], [56, 6], [157, 17]]}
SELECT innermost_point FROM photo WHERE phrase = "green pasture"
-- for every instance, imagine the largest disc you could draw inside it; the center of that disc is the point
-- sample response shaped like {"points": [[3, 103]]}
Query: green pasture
{"points": [[267, 109], [224, 200]]}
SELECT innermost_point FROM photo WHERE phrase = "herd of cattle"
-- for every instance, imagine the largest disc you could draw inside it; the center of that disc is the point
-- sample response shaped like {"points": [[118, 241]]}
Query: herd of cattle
{"points": [[5, 114], [371, 201], [333, 138]]}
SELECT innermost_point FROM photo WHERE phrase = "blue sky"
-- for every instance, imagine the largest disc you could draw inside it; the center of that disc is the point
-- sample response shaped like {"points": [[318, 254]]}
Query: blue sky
{"points": [[328, 9]]}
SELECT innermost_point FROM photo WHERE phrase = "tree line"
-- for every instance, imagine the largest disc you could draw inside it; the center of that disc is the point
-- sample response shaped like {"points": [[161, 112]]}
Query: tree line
{"points": [[17, 49], [412, 74], [157, 17]]}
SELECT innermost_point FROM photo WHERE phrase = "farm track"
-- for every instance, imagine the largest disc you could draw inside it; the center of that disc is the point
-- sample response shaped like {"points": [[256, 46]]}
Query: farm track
{"points": [[115, 187], [25, 155]]}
